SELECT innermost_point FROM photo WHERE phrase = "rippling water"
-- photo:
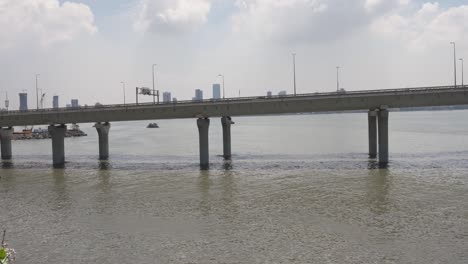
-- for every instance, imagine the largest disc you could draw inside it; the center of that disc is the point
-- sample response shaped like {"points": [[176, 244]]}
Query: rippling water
{"points": [[300, 189]]}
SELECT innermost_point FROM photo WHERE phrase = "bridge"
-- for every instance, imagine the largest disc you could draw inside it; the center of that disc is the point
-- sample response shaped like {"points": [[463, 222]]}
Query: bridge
{"points": [[376, 102]]}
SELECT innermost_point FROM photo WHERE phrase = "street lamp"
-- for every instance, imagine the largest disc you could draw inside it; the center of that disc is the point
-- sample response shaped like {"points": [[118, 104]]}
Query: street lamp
{"points": [[154, 92], [461, 59], [454, 63], [220, 75], [123, 86], [294, 71], [337, 79], [37, 93]]}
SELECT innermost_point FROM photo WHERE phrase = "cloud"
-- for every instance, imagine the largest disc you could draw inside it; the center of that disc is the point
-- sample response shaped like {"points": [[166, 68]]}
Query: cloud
{"points": [[430, 25], [43, 21], [307, 20], [171, 16]]}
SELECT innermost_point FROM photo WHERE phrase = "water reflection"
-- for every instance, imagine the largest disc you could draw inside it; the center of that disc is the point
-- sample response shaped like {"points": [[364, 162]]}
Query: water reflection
{"points": [[104, 165], [204, 185], [62, 196], [227, 165], [228, 198], [378, 187]]}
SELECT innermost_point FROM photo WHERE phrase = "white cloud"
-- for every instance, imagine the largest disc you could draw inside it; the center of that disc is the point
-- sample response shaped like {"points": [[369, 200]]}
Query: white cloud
{"points": [[430, 25], [171, 16], [43, 21], [307, 20]]}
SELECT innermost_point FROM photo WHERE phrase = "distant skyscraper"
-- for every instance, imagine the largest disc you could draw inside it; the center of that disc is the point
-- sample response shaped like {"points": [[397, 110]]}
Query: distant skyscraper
{"points": [[216, 91], [198, 95], [167, 97], [269, 94], [23, 101], [55, 102], [74, 103]]}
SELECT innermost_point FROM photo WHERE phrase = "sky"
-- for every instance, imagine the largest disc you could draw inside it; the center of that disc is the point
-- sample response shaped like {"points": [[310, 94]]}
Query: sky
{"points": [[85, 49]]}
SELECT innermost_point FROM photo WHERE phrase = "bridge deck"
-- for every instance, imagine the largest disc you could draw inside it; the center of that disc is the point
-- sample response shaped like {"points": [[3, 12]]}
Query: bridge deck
{"points": [[260, 105]]}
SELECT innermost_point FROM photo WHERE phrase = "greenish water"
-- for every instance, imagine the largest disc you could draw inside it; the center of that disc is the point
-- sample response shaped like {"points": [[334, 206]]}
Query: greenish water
{"points": [[300, 189]]}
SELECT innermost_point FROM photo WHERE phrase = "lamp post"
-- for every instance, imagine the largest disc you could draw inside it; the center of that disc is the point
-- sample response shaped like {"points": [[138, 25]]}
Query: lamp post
{"points": [[123, 86], [454, 63], [337, 79], [220, 75], [294, 71], [461, 59], [37, 93], [154, 93]]}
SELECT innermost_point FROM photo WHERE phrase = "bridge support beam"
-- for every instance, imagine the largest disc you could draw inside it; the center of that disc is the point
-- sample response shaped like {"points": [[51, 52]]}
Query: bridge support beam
{"points": [[226, 121], [58, 144], [103, 133], [5, 137], [383, 136], [203, 126], [372, 117]]}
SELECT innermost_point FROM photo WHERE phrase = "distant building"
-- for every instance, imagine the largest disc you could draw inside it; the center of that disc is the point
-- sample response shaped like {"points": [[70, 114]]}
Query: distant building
{"points": [[282, 93], [55, 102], [269, 94], [23, 101], [167, 97], [198, 95], [174, 100], [69, 106], [74, 103], [216, 91]]}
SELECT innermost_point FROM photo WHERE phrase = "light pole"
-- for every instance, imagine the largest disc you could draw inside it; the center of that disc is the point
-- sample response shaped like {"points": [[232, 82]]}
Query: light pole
{"points": [[123, 86], [337, 79], [37, 93], [220, 75], [154, 91], [461, 59], [294, 71], [454, 63]]}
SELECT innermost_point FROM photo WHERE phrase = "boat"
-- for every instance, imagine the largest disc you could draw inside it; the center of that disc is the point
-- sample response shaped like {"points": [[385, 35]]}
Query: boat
{"points": [[152, 125]]}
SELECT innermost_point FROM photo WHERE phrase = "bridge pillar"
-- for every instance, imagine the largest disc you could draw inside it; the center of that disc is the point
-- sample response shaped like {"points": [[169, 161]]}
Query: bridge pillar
{"points": [[226, 121], [103, 133], [5, 137], [383, 136], [58, 144], [372, 116], [203, 125]]}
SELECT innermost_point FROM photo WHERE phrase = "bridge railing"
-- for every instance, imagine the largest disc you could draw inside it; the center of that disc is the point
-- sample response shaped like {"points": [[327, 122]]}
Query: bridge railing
{"points": [[241, 99]]}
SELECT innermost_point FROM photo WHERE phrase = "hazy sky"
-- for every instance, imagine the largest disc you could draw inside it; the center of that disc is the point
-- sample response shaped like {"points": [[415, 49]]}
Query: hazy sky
{"points": [[84, 49]]}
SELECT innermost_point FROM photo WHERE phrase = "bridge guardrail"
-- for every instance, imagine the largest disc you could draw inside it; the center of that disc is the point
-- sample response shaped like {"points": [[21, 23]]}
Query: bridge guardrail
{"points": [[237, 99]]}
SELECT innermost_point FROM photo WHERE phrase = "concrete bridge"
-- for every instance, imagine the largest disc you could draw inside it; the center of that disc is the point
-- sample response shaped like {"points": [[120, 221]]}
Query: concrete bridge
{"points": [[376, 102]]}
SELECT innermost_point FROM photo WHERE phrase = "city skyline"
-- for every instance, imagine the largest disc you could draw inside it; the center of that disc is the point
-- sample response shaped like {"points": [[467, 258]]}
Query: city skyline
{"points": [[378, 44]]}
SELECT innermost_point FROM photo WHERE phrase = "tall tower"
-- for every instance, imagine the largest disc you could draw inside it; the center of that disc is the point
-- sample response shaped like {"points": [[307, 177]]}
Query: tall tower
{"points": [[23, 101]]}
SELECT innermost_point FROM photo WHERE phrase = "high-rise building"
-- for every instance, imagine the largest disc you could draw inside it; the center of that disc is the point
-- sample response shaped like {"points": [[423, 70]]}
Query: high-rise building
{"points": [[269, 94], [23, 101], [55, 102], [216, 91], [198, 95], [74, 103], [167, 97]]}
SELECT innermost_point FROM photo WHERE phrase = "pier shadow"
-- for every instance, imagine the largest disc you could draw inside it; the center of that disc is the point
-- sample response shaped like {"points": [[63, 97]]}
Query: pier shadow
{"points": [[104, 165], [374, 164], [7, 164]]}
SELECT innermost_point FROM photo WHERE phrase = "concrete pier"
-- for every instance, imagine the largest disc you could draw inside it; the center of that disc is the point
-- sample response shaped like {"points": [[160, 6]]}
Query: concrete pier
{"points": [[383, 136], [58, 144], [103, 132], [226, 121], [5, 138], [203, 126], [372, 134]]}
